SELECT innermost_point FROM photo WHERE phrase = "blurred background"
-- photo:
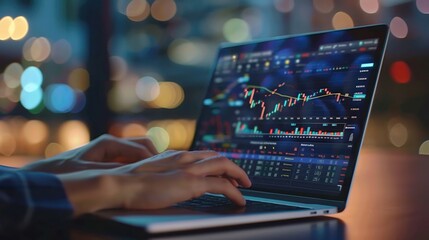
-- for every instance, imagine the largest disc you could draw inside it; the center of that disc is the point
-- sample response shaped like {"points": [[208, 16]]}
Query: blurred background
{"points": [[72, 70]]}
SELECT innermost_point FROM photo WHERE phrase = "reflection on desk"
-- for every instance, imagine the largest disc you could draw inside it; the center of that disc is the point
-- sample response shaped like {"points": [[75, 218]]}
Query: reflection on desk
{"points": [[317, 228]]}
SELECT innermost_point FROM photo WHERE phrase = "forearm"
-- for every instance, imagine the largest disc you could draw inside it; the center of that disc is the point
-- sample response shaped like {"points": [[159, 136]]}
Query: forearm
{"points": [[92, 190]]}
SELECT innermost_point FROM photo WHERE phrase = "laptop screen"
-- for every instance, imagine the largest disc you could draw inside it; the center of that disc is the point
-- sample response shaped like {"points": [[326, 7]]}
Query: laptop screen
{"points": [[292, 111]]}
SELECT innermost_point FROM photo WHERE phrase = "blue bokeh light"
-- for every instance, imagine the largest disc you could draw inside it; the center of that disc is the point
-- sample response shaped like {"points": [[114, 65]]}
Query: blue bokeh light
{"points": [[31, 79], [31, 100], [80, 102], [60, 98]]}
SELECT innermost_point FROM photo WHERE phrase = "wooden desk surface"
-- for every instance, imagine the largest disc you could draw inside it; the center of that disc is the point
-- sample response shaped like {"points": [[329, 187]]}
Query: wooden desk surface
{"points": [[389, 197], [389, 200]]}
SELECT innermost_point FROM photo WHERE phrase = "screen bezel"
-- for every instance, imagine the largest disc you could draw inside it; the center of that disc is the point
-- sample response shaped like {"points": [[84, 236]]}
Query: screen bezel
{"points": [[358, 33]]}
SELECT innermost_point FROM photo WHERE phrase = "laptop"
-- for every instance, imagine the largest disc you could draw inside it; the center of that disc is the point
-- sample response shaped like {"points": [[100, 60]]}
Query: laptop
{"points": [[291, 111]]}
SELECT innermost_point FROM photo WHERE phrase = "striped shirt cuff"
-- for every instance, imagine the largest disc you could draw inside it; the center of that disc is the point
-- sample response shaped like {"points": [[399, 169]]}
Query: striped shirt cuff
{"points": [[31, 199]]}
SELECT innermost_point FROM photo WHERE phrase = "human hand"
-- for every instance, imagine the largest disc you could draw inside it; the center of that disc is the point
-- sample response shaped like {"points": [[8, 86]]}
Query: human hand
{"points": [[190, 175], [108, 148], [105, 152], [171, 160]]}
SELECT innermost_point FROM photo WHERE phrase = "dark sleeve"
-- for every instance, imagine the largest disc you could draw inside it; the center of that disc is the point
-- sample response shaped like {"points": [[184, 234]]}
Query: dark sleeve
{"points": [[31, 198]]}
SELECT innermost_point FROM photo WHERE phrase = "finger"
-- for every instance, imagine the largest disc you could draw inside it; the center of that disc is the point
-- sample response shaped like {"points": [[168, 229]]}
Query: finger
{"points": [[108, 148], [223, 186], [194, 156], [188, 157], [220, 166], [145, 142], [233, 181], [85, 165], [127, 151], [171, 160]]}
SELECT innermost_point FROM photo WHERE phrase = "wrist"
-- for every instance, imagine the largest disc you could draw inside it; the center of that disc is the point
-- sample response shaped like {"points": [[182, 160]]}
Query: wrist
{"points": [[90, 191]]}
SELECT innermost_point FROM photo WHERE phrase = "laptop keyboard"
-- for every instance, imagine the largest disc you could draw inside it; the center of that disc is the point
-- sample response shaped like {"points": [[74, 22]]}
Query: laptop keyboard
{"points": [[218, 204]]}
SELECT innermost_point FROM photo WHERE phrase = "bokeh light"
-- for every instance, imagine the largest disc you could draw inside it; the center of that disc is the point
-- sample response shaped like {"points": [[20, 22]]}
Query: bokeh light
{"points": [[138, 10], [342, 20], [163, 10], [423, 6], [12, 94], [369, 6], [182, 51], [31, 79], [31, 100], [147, 88], [179, 136], [61, 51], [159, 137], [18, 28], [188, 52], [35, 131], [180, 131], [400, 72], [115, 129], [171, 95], [73, 134], [133, 130], [119, 68], [424, 148], [79, 79], [80, 101], [40, 49], [189, 39], [122, 97], [53, 149], [398, 134], [26, 49], [7, 143], [398, 27], [284, 6], [10, 131], [7, 97], [236, 30], [15, 29], [324, 6], [60, 98], [5, 23], [12, 75]]}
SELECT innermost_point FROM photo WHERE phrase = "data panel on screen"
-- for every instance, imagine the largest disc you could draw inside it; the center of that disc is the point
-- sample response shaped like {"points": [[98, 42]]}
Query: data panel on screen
{"points": [[289, 111]]}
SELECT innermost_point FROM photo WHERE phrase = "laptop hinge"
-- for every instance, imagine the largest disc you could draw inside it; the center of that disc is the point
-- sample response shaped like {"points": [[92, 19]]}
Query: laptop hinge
{"points": [[294, 198]]}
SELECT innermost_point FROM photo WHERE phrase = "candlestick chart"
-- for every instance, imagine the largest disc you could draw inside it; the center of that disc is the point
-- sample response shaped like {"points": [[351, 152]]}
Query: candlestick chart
{"points": [[272, 102]]}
